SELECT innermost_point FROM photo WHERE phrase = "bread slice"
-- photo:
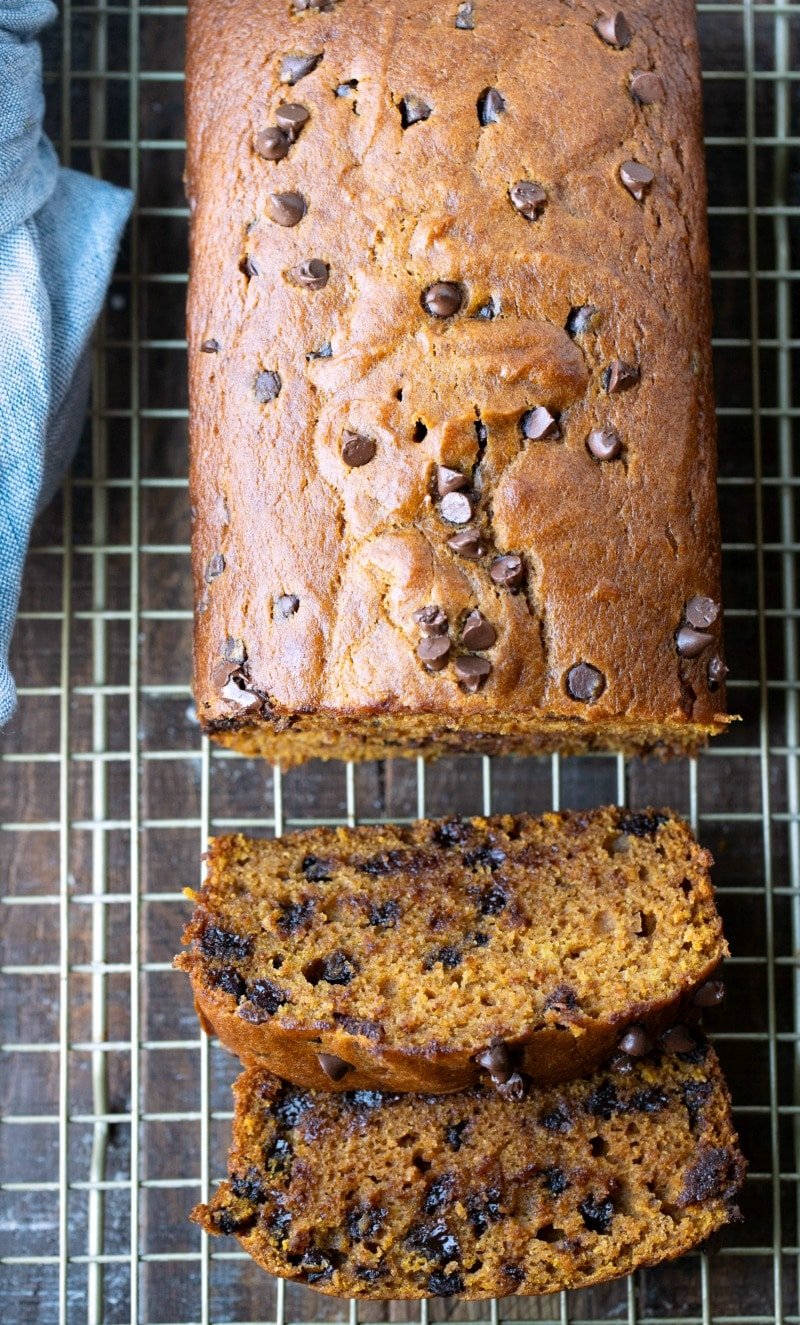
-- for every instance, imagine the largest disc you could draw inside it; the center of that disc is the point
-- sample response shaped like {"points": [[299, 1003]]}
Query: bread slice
{"points": [[425, 957], [376, 1195]]}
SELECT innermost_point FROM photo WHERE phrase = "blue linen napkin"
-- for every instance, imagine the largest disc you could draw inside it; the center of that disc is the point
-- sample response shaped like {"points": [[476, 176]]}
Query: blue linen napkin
{"points": [[59, 233]]}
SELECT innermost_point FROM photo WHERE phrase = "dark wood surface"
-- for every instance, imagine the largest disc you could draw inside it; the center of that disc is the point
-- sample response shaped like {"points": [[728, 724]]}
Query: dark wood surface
{"points": [[150, 733]]}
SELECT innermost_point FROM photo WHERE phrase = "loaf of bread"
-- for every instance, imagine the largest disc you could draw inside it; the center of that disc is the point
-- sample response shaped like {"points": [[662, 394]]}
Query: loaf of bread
{"points": [[376, 1195], [452, 427], [428, 957]]}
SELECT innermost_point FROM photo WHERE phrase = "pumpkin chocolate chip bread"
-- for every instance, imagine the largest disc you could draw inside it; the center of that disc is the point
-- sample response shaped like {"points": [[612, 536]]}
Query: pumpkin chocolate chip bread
{"points": [[429, 957], [452, 425], [376, 1195]]}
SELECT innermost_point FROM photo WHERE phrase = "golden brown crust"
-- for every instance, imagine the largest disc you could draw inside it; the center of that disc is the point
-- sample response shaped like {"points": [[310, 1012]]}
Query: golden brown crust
{"points": [[552, 936], [613, 550], [398, 1196]]}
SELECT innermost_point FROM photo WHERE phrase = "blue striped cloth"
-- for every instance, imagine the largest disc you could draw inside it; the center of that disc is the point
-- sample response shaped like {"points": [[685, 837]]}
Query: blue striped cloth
{"points": [[59, 233]]}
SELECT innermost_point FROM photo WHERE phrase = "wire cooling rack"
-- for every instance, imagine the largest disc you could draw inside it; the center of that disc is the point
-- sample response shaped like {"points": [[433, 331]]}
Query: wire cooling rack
{"points": [[115, 1110]]}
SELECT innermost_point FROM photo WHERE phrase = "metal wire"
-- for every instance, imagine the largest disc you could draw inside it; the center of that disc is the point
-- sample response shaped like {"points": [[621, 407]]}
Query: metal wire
{"points": [[114, 1108]]}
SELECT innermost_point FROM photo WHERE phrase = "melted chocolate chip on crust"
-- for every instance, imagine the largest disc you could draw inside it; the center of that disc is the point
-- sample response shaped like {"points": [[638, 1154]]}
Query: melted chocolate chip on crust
{"points": [[455, 508], [467, 544], [291, 118], [431, 620], [465, 16], [286, 606], [210, 346], [335, 1068], [450, 480], [580, 319], [539, 425], [701, 612], [635, 1042]]}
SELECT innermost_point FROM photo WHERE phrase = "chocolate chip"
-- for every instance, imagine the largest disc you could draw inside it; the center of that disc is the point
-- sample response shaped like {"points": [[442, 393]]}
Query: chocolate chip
{"points": [[485, 857], [223, 945], [420, 431], [493, 901], [585, 682], [557, 1120], [538, 424], [445, 1285], [514, 1274], [678, 1040], [316, 870], [249, 1186], [335, 1068], [497, 1061], [357, 449], [450, 480], [465, 16], [210, 346], [614, 29], [338, 968], [690, 643], [431, 620], [294, 67], [701, 612], [312, 274], [267, 387], [295, 915], [604, 443], [291, 118], [555, 1180], [642, 825], [448, 955], [620, 376], [235, 691], [454, 1135], [717, 671], [233, 651], [709, 995], [439, 1193], [248, 267], [603, 1102], [513, 1089], [488, 311], [507, 571], [528, 198], [264, 998], [472, 672], [477, 632], [451, 833], [597, 1215], [563, 1001], [272, 143], [467, 544], [229, 981], [434, 651], [344, 89], [413, 109], [646, 87], [483, 1209], [385, 915], [442, 299], [285, 606], [637, 178], [286, 209], [635, 1042], [456, 508], [580, 319], [214, 568], [324, 352], [365, 1221], [491, 105]]}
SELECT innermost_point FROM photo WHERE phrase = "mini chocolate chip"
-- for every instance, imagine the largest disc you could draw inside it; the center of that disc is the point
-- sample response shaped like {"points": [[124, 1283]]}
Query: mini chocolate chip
{"points": [[385, 915], [235, 692], [357, 450], [291, 118], [557, 1120], [215, 567], [344, 89], [267, 387], [233, 651], [338, 968], [597, 1215], [646, 87], [272, 143], [413, 109], [431, 620], [555, 1180], [465, 16], [604, 443], [507, 571], [434, 651], [585, 682], [248, 267], [528, 199], [497, 1061], [264, 998], [324, 352], [442, 299], [642, 825], [690, 643], [513, 1089], [709, 995], [621, 1063], [210, 346], [477, 632], [456, 508], [493, 901], [450, 480], [635, 1042], [467, 544], [491, 105], [316, 870], [285, 606], [453, 1135], [445, 1285], [449, 956], [538, 424], [717, 671], [296, 66], [335, 1068], [637, 178], [614, 29], [472, 672], [488, 311], [701, 612], [286, 209], [224, 945], [620, 376], [312, 274], [485, 857], [678, 1040], [420, 431], [580, 319]]}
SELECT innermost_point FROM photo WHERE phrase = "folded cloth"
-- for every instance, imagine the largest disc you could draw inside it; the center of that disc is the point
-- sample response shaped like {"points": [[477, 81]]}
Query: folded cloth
{"points": [[59, 233]]}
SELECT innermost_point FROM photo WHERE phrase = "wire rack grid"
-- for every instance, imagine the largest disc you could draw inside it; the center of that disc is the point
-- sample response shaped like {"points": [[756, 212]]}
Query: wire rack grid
{"points": [[114, 1109]]}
